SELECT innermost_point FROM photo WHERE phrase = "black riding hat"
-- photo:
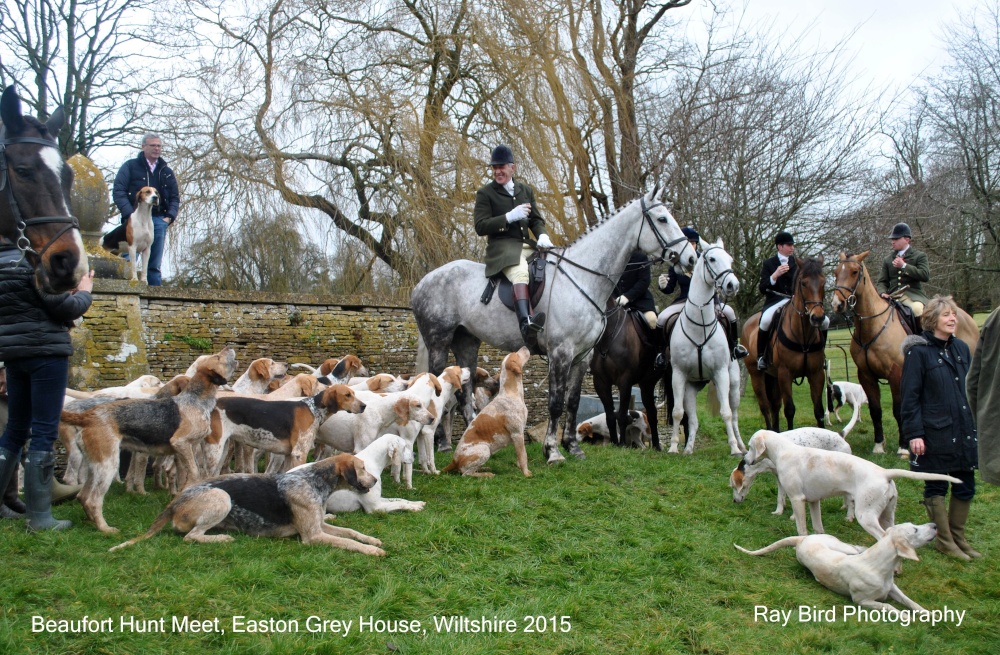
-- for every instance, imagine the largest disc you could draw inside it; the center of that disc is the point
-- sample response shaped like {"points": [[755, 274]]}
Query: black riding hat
{"points": [[900, 230], [691, 234], [501, 155], [784, 239]]}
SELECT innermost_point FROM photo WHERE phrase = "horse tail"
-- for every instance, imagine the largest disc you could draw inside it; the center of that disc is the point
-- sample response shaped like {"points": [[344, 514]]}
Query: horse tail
{"points": [[158, 525], [787, 541], [423, 356]]}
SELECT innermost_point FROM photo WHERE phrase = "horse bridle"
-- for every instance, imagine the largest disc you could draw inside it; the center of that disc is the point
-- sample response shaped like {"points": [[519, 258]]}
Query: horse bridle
{"points": [[852, 297], [666, 255], [715, 277], [22, 224]]}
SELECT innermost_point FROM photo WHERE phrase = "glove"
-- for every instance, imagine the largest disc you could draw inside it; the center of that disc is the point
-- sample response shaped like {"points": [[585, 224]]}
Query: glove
{"points": [[518, 213], [545, 242], [622, 300], [663, 280]]}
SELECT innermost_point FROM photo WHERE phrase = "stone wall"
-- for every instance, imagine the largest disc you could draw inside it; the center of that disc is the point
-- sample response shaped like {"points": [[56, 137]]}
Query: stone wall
{"points": [[133, 329]]}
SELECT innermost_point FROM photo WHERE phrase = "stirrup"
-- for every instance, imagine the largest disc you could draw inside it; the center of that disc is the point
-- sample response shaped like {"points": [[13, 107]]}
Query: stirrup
{"points": [[739, 352], [761, 364], [660, 363]]}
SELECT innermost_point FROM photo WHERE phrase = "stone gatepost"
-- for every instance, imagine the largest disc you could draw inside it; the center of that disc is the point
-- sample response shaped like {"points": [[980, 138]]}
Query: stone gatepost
{"points": [[89, 203]]}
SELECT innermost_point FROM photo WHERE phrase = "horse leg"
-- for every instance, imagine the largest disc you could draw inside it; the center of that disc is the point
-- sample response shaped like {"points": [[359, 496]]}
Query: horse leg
{"points": [[677, 385], [773, 391], [817, 387], [785, 387], [560, 367], [691, 410], [624, 400], [604, 392], [895, 377], [722, 382], [734, 401], [466, 349], [571, 441], [646, 390], [870, 384]]}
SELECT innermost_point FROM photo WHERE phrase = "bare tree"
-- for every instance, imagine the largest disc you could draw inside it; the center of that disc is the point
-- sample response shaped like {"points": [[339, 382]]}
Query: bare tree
{"points": [[84, 55]]}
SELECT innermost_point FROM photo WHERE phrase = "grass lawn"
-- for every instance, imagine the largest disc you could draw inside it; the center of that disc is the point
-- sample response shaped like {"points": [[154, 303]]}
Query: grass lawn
{"points": [[626, 552]]}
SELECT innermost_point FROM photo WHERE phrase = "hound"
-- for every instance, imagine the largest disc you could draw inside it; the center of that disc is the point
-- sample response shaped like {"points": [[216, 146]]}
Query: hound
{"points": [[484, 388], [808, 475], [143, 386], [158, 425], [637, 432], [139, 230], [270, 506], [284, 427], [867, 576], [389, 449], [840, 393], [743, 476], [338, 370], [500, 424], [380, 383], [259, 375], [353, 432]]}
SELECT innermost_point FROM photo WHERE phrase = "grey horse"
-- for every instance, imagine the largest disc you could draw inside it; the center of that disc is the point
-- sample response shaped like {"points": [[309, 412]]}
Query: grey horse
{"points": [[699, 350], [580, 279]]}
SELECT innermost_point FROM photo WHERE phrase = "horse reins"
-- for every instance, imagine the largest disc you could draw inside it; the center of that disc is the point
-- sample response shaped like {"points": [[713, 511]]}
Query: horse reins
{"points": [[715, 277], [22, 224], [852, 301]]}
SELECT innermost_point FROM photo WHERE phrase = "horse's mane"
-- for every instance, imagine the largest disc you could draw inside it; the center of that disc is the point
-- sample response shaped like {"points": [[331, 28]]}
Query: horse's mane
{"points": [[811, 267], [31, 121], [601, 222]]}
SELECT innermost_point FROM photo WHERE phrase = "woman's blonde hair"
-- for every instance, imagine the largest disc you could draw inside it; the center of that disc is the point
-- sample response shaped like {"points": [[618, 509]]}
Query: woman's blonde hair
{"points": [[934, 309]]}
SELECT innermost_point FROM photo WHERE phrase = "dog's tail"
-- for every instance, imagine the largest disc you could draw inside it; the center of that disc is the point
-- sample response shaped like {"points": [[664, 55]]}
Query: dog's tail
{"points": [[158, 525], [915, 475], [314, 371], [787, 541], [73, 393], [452, 466], [79, 419]]}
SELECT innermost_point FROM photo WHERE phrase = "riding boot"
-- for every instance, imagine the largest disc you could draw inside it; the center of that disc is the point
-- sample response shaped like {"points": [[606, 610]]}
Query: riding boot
{"points": [[38, 474], [763, 338], [735, 347], [12, 507], [530, 325], [660, 343], [938, 513], [958, 514]]}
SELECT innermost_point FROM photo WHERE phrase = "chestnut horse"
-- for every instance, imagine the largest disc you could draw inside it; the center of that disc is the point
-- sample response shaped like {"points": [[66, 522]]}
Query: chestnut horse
{"points": [[797, 347], [623, 358], [34, 197], [878, 335]]}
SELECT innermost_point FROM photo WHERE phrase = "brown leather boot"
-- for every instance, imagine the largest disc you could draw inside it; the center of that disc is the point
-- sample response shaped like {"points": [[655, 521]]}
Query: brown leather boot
{"points": [[530, 325], [938, 513], [958, 514]]}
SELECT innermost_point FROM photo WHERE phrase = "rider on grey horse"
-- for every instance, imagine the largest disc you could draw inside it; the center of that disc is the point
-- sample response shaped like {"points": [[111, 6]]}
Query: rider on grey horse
{"points": [[776, 276], [506, 214]]}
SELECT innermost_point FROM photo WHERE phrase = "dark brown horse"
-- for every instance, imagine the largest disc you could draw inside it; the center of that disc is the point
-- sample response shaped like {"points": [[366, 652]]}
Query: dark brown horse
{"points": [[878, 335], [623, 358], [34, 197], [797, 348]]}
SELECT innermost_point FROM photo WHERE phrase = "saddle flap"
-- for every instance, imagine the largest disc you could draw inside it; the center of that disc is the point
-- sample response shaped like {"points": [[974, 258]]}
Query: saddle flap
{"points": [[536, 284], [910, 323]]}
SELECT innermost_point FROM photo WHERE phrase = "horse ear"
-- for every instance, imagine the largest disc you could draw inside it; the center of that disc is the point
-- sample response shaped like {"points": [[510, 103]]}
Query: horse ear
{"points": [[861, 256], [820, 260], [799, 261], [656, 190], [55, 122], [10, 110], [843, 255]]}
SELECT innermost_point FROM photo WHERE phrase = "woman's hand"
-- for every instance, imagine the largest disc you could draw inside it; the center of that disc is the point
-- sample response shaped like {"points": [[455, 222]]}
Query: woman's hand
{"points": [[917, 446]]}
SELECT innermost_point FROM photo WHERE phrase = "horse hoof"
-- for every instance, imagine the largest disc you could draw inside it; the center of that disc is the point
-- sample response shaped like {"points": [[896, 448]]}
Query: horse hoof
{"points": [[903, 453], [444, 448], [688, 451], [577, 452], [673, 450], [878, 449], [555, 457]]}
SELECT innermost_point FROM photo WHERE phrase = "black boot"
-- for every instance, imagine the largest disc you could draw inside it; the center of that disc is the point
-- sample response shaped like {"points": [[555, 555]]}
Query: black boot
{"points": [[735, 347], [38, 474], [12, 507], [660, 342], [530, 325], [763, 338]]}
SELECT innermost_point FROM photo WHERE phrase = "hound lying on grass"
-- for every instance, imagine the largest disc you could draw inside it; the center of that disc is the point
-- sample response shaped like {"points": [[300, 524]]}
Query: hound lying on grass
{"points": [[637, 432], [865, 575], [270, 506]]}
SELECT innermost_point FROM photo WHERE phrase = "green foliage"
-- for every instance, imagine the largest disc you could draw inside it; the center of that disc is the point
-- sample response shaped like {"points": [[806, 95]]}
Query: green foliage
{"points": [[198, 343]]}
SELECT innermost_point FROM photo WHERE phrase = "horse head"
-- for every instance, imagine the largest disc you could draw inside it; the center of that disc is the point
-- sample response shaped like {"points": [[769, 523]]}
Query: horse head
{"points": [[34, 197], [665, 239], [717, 267], [849, 276], [809, 290]]}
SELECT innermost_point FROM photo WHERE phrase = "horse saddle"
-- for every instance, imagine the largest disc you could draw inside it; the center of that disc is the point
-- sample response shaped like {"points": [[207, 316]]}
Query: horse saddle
{"points": [[536, 284], [906, 318], [723, 325]]}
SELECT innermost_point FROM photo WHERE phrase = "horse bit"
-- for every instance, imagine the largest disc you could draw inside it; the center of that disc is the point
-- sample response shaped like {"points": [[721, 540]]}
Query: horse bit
{"points": [[23, 243]]}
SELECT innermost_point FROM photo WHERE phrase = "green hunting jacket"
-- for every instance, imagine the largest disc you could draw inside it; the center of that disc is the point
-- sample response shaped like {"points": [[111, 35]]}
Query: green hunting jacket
{"points": [[916, 271], [504, 241], [982, 386]]}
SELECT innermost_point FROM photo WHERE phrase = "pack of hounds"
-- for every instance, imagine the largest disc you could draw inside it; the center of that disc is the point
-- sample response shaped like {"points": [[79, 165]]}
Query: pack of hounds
{"points": [[327, 435]]}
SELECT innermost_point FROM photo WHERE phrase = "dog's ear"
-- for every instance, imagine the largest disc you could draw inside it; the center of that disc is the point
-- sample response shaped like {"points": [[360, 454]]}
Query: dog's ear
{"points": [[906, 551], [758, 446], [216, 379], [401, 408], [260, 370]]}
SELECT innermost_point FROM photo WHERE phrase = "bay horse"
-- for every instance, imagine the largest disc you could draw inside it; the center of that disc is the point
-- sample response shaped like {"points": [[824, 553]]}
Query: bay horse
{"points": [[877, 335], [797, 347], [580, 278], [700, 352], [623, 358], [34, 197]]}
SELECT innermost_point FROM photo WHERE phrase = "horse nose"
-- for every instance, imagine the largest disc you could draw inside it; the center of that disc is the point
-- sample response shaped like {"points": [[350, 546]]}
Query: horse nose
{"points": [[62, 267], [816, 319]]}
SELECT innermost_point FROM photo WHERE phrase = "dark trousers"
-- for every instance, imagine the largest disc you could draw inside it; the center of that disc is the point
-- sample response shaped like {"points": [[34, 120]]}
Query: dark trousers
{"points": [[36, 387], [964, 491]]}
